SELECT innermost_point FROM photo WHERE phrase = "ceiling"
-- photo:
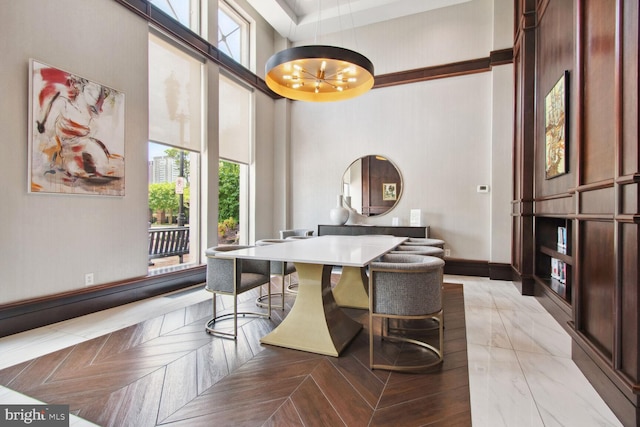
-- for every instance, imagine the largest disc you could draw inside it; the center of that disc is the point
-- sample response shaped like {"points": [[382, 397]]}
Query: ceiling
{"points": [[307, 19]]}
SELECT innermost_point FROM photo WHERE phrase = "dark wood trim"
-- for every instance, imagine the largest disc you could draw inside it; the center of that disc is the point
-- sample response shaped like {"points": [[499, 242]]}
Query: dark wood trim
{"points": [[593, 217], [623, 401], [525, 284], [530, 21], [559, 309], [24, 315], [603, 362], [607, 183], [501, 57], [628, 218], [472, 66], [466, 267], [554, 197], [431, 73], [500, 271], [622, 407], [628, 179]]}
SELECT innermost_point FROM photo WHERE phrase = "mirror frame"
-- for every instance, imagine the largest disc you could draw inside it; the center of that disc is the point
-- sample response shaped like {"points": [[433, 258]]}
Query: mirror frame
{"points": [[375, 172]]}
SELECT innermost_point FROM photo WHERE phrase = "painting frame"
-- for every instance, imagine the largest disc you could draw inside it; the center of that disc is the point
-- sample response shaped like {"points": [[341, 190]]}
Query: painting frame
{"points": [[556, 136], [390, 191], [76, 134]]}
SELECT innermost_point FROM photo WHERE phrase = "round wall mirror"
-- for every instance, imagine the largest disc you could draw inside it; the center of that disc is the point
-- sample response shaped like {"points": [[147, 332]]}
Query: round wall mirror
{"points": [[372, 185]]}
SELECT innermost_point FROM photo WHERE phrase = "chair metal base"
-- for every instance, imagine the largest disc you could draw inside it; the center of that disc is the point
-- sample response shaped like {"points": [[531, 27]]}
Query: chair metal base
{"points": [[230, 316], [261, 298], [386, 335]]}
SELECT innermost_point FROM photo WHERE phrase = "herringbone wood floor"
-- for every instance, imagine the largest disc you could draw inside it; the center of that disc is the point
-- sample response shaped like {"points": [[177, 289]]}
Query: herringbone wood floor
{"points": [[167, 371]]}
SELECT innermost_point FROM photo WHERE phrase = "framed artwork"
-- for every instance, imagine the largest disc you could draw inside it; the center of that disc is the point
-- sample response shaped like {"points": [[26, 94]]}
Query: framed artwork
{"points": [[76, 134], [555, 128], [389, 191]]}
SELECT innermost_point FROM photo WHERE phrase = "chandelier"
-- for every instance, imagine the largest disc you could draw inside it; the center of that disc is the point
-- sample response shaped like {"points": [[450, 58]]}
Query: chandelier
{"points": [[319, 73]]}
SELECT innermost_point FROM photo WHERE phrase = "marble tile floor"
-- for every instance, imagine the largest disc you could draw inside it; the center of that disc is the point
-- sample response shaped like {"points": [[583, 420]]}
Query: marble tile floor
{"points": [[520, 368]]}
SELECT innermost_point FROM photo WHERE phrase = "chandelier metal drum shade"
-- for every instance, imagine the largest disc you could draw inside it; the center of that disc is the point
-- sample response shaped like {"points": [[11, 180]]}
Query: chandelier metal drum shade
{"points": [[318, 73]]}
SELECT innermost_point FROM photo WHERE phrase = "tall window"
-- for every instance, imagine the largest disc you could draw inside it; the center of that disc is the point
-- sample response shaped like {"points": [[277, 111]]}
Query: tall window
{"points": [[175, 119], [186, 12], [235, 115], [233, 37], [235, 156]]}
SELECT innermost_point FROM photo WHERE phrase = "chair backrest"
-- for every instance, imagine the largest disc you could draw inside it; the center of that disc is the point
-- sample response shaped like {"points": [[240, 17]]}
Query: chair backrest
{"points": [[419, 250], [406, 284], [295, 232], [425, 241], [249, 273]]}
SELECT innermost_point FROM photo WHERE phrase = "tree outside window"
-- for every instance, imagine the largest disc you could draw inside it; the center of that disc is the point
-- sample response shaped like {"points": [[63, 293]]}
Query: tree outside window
{"points": [[228, 202]]}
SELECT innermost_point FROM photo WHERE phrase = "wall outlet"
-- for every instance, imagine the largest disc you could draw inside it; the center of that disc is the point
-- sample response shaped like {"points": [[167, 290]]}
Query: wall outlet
{"points": [[88, 279], [447, 252]]}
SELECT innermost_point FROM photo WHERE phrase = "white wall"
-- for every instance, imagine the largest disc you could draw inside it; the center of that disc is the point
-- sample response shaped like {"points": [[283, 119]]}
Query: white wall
{"points": [[49, 242], [449, 34], [447, 136]]}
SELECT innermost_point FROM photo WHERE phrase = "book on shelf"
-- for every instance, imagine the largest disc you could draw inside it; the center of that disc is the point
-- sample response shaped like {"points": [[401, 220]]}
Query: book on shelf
{"points": [[558, 270], [555, 268], [562, 240]]}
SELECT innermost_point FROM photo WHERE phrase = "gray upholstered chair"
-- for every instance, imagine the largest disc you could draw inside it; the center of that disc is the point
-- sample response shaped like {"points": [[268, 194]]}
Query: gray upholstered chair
{"points": [[295, 232], [422, 241], [419, 250], [280, 268], [406, 288], [233, 276]]}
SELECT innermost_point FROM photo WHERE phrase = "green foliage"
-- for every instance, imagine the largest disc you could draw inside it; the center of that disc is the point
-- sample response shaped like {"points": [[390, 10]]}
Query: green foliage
{"points": [[227, 225], [228, 191], [163, 197]]}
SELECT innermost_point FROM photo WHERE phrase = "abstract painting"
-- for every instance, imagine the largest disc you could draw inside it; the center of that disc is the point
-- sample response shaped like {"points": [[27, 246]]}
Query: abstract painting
{"points": [[76, 134], [555, 111]]}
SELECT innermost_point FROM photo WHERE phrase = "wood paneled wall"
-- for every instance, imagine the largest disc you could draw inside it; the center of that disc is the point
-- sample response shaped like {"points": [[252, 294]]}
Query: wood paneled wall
{"points": [[523, 145], [597, 42]]}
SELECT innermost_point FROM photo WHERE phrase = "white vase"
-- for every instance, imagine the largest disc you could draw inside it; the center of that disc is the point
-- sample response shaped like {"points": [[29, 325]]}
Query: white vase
{"points": [[339, 215]]}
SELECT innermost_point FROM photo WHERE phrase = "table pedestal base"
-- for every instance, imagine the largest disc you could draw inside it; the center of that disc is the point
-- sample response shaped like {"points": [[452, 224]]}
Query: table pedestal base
{"points": [[315, 323], [351, 290]]}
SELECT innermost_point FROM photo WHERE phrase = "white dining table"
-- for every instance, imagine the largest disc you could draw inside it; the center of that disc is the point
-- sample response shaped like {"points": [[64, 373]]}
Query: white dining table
{"points": [[316, 323]]}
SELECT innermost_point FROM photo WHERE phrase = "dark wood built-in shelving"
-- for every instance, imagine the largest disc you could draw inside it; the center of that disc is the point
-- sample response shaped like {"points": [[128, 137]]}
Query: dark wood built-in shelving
{"points": [[555, 254]]}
